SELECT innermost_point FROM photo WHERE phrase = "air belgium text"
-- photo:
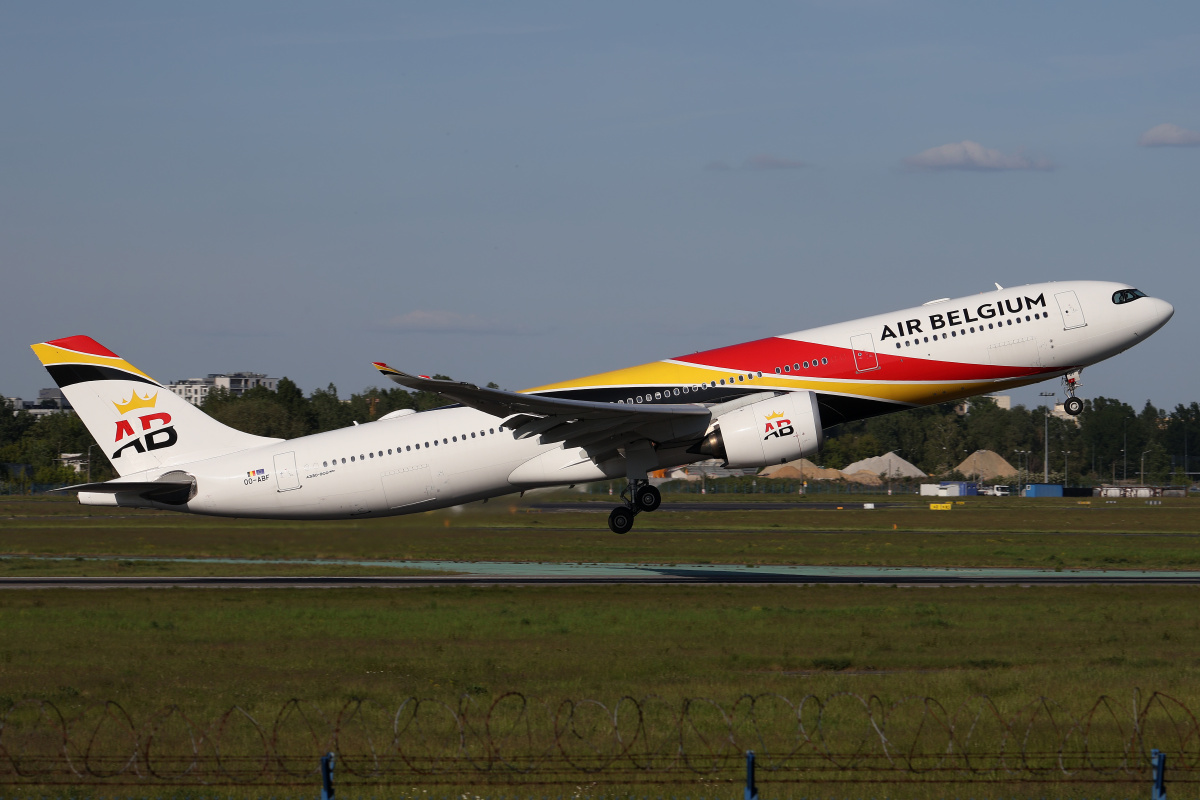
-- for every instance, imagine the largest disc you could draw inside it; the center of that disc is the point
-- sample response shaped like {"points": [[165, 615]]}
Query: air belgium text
{"points": [[986, 311]]}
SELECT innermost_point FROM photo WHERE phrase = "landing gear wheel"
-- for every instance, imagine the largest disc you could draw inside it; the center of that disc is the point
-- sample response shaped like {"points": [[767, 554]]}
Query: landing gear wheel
{"points": [[1073, 405], [647, 498], [620, 520]]}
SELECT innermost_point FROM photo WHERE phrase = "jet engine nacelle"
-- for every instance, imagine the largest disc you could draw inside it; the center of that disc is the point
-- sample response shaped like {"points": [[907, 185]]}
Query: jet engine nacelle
{"points": [[768, 432]]}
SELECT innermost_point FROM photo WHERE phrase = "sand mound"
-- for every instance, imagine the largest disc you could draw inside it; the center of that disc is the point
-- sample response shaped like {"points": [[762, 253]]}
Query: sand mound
{"points": [[802, 469], [985, 465], [886, 464], [865, 477]]}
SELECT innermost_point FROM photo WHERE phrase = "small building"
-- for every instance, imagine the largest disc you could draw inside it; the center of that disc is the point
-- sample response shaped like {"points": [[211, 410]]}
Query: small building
{"points": [[194, 390], [1042, 490], [50, 401]]}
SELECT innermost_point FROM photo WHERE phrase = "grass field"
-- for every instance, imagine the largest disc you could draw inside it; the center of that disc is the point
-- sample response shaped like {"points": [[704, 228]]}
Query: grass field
{"points": [[208, 650], [983, 532]]}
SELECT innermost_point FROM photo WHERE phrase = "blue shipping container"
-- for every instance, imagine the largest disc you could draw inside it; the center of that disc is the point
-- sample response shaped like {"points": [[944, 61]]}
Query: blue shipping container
{"points": [[962, 488], [1043, 490]]}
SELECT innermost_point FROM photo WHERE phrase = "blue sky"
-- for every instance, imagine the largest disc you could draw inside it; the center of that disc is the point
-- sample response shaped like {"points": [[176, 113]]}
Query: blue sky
{"points": [[528, 192]]}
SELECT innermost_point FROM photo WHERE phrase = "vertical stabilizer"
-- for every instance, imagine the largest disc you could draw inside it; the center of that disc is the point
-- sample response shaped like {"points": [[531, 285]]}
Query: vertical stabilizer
{"points": [[141, 424]]}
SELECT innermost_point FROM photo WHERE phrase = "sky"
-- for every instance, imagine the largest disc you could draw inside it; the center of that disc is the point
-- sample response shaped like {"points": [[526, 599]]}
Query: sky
{"points": [[529, 192]]}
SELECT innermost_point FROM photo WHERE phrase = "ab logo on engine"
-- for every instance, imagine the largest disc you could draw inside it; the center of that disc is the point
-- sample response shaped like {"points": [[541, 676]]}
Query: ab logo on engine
{"points": [[156, 439], [781, 428]]}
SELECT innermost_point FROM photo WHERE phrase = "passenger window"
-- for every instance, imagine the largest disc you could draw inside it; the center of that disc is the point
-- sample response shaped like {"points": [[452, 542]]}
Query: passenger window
{"points": [[351, 458], [344, 460], [456, 438], [408, 448], [658, 395], [491, 430], [741, 377], [788, 368], [324, 463], [954, 333], [444, 441], [806, 365], [472, 434], [361, 456], [824, 361], [372, 455], [795, 366], [777, 370], [722, 381]]}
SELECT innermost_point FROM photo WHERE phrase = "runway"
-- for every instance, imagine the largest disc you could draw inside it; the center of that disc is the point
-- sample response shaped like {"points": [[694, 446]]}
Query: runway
{"points": [[498, 573]]}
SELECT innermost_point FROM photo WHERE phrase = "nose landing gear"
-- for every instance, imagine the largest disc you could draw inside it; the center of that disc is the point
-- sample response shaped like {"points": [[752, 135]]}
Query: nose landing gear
{"points": [[639, 496], [1072, 405]]}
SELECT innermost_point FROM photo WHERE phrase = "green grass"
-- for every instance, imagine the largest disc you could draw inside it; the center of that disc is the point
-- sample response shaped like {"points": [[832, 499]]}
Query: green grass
{"points": [[210, 650], [983, 532]]}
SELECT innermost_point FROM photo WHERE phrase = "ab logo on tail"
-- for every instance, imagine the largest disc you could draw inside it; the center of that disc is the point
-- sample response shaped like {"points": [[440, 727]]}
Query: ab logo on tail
{"points": [[156, 439], [781, 428]]}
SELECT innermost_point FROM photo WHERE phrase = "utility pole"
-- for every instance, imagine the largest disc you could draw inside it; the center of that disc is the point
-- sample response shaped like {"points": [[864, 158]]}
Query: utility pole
{"points": [[1046, 441], [1144, 466], [1065, 454]]}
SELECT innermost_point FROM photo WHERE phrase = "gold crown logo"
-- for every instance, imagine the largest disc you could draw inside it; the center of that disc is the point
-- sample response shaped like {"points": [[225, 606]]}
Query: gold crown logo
{"points": [[136, 402], [776, 415]]}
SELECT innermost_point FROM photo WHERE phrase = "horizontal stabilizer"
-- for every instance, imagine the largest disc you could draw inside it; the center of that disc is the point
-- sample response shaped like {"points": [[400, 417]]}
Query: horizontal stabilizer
{"points": [[172, 492]]}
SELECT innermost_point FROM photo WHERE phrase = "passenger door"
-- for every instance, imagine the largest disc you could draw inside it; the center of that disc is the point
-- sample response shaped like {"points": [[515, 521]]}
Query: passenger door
{"points": [[286, 476], [1072, 313], [863, 346]]}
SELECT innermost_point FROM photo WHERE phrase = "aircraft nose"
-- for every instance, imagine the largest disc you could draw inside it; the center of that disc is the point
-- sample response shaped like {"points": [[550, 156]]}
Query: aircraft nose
{"points": [[1158, 312]]}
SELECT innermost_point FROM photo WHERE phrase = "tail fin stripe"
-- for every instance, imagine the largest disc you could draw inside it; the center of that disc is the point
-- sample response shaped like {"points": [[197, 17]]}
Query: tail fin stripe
{"points": [[83, 344], [67, 374]]}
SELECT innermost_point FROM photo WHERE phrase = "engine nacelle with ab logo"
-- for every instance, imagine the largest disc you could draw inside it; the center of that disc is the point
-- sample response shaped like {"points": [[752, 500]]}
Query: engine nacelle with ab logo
{"points": [[768, 432]]}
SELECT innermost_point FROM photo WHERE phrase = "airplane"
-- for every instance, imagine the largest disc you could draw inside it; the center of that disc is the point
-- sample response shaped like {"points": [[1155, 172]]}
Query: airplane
{"points": [[750, 405]]}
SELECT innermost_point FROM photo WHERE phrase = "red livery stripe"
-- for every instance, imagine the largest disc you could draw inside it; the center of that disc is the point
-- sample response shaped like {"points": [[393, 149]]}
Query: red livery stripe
{"points": [[764, 355], [84, 344]]}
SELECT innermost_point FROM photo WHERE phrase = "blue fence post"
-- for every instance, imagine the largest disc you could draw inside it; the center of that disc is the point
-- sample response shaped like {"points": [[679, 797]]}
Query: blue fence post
{"points": [[327, 776], [1158, 761], [751, 789]]}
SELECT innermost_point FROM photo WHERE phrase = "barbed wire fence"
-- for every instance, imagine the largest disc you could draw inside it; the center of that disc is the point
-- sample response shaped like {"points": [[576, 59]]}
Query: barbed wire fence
{"points": [[515, 740]]}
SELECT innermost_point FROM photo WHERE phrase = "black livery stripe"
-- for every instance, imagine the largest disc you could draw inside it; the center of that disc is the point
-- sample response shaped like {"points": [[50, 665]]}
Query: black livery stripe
{"points": [[69, 374]]}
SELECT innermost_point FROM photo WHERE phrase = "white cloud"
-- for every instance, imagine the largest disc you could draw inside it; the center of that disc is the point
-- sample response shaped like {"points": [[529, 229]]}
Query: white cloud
{"points": [[1168, 135], [968, 155], [765, 161], [422, 321]]}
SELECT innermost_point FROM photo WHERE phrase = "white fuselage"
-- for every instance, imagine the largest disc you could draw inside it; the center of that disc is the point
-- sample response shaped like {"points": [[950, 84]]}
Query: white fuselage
{"points": [[448, 456]]}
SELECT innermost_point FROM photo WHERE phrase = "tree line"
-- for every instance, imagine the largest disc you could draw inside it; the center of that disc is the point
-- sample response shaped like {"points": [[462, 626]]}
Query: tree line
{"points": [[1111, 442]]}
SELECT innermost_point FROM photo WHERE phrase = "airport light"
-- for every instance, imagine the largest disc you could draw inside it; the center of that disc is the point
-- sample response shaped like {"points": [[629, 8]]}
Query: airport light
{"points": [[1024, 454]]}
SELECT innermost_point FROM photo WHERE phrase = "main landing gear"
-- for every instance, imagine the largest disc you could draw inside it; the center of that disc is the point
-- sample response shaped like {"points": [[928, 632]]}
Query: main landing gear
{"points": [[639, 496], [1072, 405]]}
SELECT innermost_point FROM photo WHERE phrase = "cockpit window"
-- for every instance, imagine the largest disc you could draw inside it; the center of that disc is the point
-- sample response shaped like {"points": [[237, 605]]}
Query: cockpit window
{"points": [[1127, 295]]}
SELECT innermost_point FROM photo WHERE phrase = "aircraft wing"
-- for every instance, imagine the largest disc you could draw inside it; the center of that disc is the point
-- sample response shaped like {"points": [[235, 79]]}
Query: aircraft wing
{"points": [[577, 423]]}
